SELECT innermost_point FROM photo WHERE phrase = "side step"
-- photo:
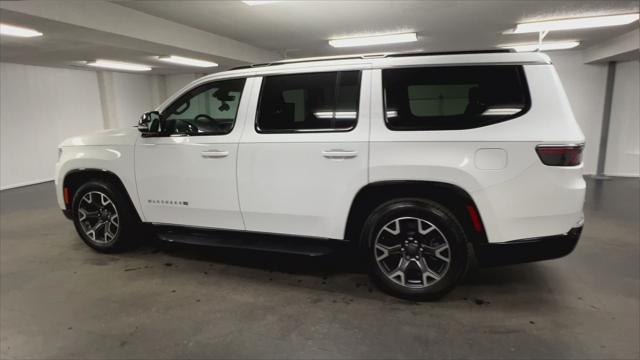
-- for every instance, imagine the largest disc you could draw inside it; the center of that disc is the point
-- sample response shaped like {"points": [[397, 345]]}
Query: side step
{"points": [[247, 240]]}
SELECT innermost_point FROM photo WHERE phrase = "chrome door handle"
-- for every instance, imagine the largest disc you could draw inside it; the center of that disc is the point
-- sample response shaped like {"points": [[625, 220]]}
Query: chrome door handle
{"points": [[339, 154], [211, 154]]}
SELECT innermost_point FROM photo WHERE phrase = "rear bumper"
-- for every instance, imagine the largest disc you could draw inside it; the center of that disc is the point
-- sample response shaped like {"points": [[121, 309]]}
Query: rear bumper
{"points": [[527, 250]]}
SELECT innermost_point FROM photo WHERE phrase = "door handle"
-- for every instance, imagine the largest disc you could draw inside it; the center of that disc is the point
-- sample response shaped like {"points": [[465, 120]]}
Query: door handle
{"points": [[339, 154], [211, 154]]}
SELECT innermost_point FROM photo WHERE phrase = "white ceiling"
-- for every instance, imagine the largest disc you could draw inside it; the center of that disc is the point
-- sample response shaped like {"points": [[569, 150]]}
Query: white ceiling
{"points": [[233, 33], [302, 28]]}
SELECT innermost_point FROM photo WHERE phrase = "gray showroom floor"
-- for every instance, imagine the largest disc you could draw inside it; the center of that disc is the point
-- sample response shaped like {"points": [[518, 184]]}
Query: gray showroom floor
{"points": [[60, 299]]}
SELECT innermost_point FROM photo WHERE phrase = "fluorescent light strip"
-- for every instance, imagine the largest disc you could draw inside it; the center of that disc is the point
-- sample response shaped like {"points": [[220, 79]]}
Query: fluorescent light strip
{"points": [[374, 40], [345, 115], [546, 46], [11, 30], [501, 111], [323, 114], [187, 61], [576, 23], [337, 114], [116, 65], [259, 2]]}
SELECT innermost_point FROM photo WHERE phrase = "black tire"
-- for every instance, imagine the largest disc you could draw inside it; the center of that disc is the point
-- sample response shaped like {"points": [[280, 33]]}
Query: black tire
{"points": [[121, 237], [443, 238]]}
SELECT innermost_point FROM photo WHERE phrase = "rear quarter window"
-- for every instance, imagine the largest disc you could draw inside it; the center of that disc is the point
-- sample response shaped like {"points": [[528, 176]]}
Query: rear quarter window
{"points": [[453, 97]]}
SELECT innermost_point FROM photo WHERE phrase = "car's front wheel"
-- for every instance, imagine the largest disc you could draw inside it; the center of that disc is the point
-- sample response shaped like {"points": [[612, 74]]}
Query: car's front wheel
{"points": [[103, 217], [416, 248]]}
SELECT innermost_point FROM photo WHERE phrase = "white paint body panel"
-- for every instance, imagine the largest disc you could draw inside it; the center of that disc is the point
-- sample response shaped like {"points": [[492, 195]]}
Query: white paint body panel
{"points": [[191, 180], [110, 150], [287, 185], [490, 159], [525, 199], [282, 183]]}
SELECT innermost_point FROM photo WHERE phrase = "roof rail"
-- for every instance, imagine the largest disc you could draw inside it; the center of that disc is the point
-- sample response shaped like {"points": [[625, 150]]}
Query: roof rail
{"points": [[369, 56], [310, 59], [451, 52]]}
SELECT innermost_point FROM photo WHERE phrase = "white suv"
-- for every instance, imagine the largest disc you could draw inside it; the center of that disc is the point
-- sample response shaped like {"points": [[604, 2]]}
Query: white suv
{"points": [[422, 161]]}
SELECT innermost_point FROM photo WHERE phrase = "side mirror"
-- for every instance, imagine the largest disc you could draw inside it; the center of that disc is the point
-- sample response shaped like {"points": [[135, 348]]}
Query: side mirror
{"points": [[146, 120]]}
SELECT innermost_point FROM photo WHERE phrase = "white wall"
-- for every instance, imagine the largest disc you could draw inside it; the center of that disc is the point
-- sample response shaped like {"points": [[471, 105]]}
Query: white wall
{"points": [[132, 96], [623, 150], [177, 82], [585, 88], [40, 107]]}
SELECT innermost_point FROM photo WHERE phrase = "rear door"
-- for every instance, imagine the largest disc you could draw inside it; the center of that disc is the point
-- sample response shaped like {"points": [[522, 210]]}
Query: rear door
{"points": [[306, 156]]}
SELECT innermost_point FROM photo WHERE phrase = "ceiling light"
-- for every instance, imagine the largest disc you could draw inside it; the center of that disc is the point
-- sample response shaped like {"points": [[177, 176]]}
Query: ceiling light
{"points": [[576, 23], [374, 40], [187, 61], [116, 65], [259, 2], [546, 46], [11, 30]]}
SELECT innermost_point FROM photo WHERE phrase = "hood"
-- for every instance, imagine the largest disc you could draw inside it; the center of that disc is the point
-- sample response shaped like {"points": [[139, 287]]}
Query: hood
{"points": [[122, 136]]}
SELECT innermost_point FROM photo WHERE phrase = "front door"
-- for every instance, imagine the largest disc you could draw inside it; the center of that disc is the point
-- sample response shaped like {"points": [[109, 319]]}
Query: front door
{"points": [[186, 169]]}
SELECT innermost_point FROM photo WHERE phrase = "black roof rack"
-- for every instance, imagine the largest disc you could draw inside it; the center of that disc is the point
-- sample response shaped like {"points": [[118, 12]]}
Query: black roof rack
{"points": [[370, 56]]}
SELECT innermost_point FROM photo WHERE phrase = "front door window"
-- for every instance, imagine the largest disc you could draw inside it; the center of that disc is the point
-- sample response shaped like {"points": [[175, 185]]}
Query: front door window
{"points": [[209, 109]]}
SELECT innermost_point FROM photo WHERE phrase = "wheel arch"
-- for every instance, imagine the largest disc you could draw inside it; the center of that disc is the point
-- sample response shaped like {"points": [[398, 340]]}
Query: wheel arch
{"points": [[452, 196], [74, 179]]}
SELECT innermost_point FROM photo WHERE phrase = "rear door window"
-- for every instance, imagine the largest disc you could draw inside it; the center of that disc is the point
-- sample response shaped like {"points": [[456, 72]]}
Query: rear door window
{"points": [[456, 97], [311, 102]]}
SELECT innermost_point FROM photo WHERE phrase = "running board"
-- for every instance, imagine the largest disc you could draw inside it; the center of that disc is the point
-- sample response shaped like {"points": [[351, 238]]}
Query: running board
{"points": [[247, 240]]}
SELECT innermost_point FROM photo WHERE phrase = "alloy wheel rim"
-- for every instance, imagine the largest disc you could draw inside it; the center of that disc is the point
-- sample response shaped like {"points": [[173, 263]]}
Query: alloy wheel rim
{"points": [[98, 217], [412, 252]]}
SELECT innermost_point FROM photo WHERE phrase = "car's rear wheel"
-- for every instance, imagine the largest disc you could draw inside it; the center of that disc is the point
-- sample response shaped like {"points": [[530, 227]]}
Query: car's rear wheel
{"points": [[103, 217], [415, 248]]}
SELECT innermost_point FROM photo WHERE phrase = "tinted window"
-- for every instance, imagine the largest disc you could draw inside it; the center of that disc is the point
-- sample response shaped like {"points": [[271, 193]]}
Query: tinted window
{"points": [[309, 102], [460, 97], [209, 109]]}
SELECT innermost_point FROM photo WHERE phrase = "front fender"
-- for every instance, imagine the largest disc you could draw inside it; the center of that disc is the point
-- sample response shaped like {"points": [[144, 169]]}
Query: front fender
{"points": [[116, 159]]}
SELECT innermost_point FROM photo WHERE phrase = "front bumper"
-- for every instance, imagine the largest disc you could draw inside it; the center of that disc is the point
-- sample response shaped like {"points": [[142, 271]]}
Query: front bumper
{"points": [[527, 250]]}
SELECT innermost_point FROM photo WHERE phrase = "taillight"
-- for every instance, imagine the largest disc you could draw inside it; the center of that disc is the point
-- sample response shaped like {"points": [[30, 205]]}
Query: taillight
{"points": [[560, 155]]}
